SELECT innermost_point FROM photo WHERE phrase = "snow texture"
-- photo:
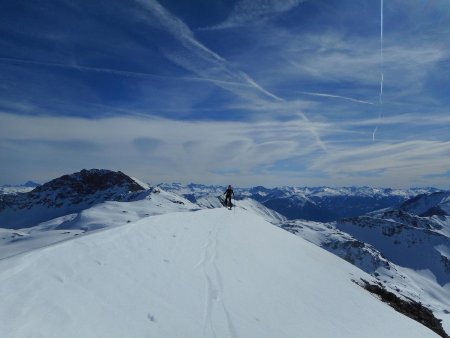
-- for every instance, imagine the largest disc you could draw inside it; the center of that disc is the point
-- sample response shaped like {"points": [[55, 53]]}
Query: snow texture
{"points": [[210, 273]]}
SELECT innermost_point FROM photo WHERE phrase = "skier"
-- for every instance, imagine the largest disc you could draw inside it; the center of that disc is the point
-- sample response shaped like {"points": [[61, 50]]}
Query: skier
{"points": [[228, 194]]}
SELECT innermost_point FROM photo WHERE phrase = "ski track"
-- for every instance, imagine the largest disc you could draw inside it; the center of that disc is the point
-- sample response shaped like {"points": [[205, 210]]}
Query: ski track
{"points": [[214, 302]]}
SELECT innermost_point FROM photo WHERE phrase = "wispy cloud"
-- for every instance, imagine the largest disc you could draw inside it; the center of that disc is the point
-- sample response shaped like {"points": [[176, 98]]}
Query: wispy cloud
{"points": [[209, 64], [252, 11], [407, 162], [199, 59], [357, 60]]}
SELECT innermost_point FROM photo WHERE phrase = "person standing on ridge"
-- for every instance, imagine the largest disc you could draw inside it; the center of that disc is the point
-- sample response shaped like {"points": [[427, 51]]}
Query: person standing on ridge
{"points": [[228, 194]]}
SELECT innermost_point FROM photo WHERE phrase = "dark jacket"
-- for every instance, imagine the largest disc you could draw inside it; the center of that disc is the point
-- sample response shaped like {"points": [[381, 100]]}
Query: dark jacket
{"points": [[229, 192]]}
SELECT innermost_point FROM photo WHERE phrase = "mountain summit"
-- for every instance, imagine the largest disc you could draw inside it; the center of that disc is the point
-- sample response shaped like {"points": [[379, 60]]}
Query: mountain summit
{"points": [[65, 195]]}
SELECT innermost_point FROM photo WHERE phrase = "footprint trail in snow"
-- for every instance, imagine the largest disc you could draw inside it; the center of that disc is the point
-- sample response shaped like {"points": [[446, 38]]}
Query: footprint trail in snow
{"points": [[215, 310]]}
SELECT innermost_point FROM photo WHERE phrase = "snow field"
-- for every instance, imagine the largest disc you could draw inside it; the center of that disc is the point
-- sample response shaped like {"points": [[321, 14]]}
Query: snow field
{"points": [[210, 273]]}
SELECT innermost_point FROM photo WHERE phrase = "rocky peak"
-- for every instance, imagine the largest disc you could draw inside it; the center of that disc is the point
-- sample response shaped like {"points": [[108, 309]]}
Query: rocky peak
{"points": [[67, 194], [88, 182]]}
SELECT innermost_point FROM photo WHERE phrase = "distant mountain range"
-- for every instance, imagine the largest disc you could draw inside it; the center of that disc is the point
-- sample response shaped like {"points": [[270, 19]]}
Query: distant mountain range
{"points": [[321, 204]]}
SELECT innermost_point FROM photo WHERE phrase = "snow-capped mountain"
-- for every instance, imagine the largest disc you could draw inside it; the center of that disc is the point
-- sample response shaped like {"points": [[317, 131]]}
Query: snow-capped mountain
{"points": [[437, 203], [320, 204], [66, 195], [76, 204], [210, 273], [325, 204]]}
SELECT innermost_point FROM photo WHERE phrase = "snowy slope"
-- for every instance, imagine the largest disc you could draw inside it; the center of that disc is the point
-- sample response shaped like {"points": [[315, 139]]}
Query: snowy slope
{"points": [[410, 241], [418, 251], [373, 254], [257, 208], [101, 215], [211, 201], [211, 273]]}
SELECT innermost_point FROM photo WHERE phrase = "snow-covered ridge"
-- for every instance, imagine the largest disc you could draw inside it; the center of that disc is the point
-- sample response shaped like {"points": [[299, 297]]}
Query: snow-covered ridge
{"points": [[98, 217], [211, 273]]}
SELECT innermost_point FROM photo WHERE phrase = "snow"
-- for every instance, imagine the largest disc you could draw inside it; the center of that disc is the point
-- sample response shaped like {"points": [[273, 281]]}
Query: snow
{"points": [[209, 273], [268, 214], [412, 281], [102, 215]]}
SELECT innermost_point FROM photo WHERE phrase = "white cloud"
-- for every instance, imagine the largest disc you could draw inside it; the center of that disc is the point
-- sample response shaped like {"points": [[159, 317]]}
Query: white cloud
{"points": [[152, 148], [424, 119], [169, 150], [402, 163], [331, 58]]}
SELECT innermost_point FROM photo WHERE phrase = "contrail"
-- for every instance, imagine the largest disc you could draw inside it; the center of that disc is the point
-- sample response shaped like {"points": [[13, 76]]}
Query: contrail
{"points": [[124, 72], [186, 37], [261, 89], [382, 69], [337, 97]]}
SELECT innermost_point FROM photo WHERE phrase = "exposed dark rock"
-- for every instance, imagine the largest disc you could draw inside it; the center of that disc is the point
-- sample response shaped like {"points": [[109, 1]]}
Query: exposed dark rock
{"points": [[410, 308], [434, 211], [88, 182]]}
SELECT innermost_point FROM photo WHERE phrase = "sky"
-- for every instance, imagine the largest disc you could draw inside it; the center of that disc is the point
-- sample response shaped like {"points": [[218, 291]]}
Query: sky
{"points": [[245, 92]]}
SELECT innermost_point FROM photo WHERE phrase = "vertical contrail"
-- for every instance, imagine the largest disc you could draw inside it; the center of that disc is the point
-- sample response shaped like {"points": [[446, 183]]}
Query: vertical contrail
{"points": [[382, 69]]}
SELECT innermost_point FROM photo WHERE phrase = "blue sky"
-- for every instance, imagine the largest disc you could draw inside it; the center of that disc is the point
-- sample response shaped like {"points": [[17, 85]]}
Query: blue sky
{"points": [[247, 92]]}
